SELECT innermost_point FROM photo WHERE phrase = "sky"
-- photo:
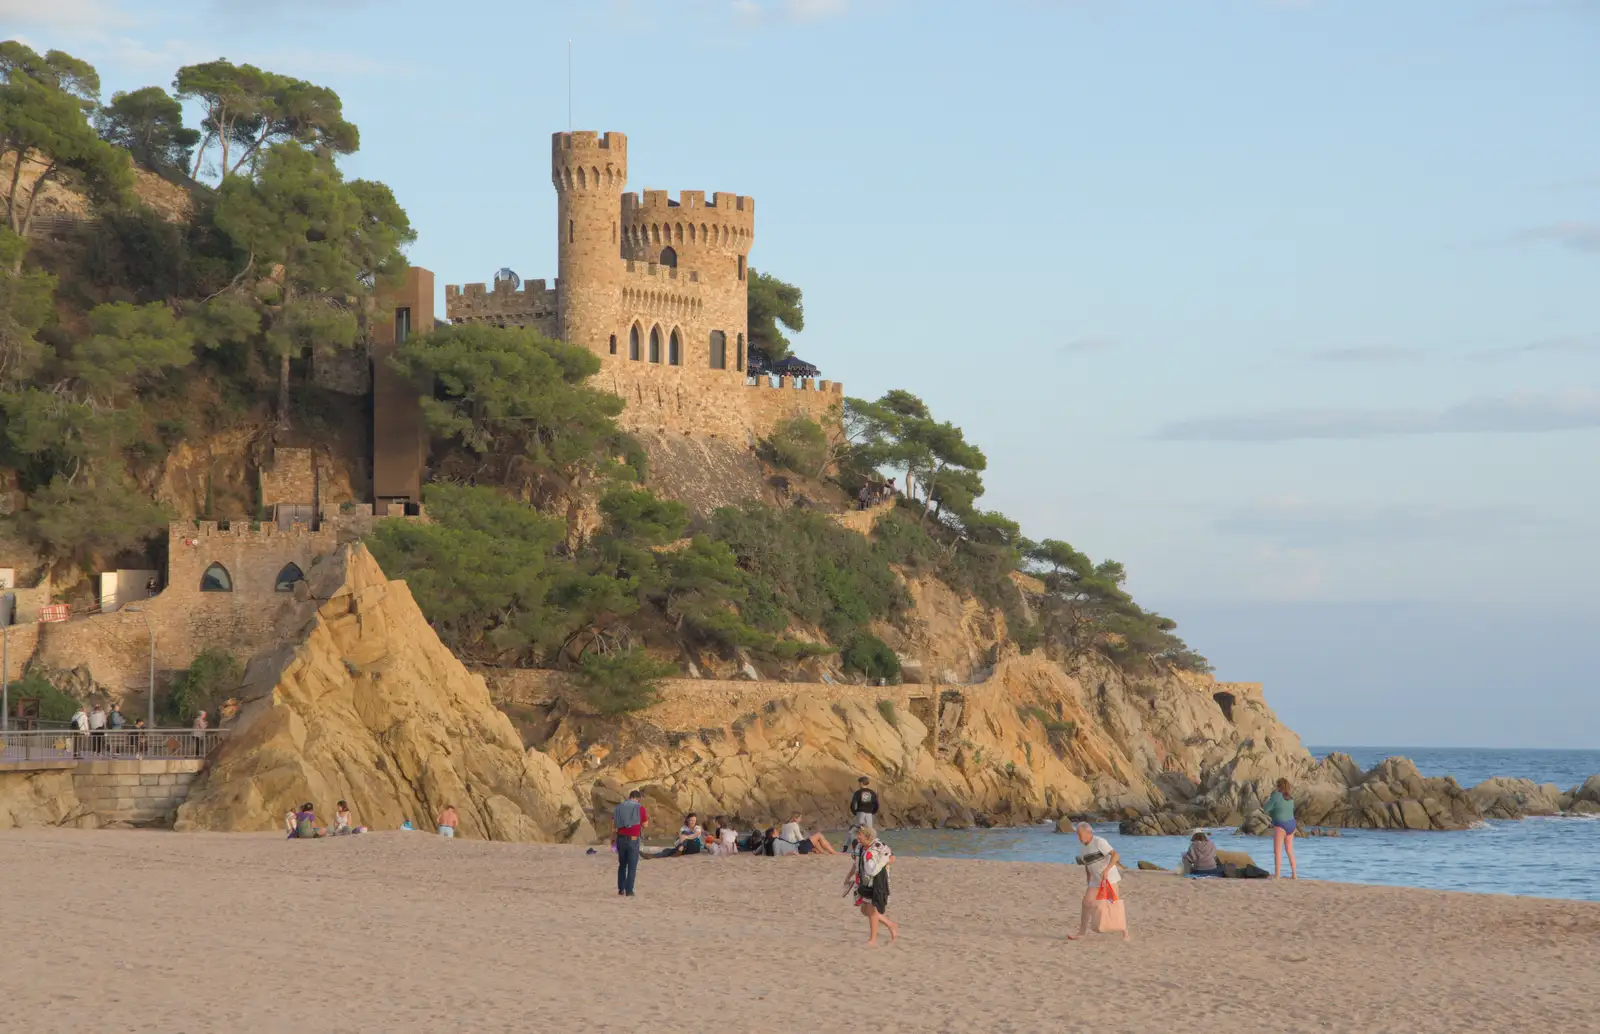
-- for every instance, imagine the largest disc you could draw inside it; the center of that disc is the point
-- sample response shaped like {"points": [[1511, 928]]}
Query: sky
{"points": [[1288, 305]]}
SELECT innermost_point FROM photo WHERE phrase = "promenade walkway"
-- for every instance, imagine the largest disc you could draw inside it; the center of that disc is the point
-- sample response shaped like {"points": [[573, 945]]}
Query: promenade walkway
{"points": [[44, 749]]}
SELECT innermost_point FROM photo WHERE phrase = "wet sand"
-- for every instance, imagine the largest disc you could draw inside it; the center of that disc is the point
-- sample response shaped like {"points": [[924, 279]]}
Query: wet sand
{"points": [[136, 931]]}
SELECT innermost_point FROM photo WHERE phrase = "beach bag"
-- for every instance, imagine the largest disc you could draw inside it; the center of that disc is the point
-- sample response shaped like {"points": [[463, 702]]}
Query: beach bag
{"points": [[1105, 910]]}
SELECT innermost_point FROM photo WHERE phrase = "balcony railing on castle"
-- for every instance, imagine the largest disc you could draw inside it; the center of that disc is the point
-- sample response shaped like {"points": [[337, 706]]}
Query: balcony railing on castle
{"points": [[106, 745]]}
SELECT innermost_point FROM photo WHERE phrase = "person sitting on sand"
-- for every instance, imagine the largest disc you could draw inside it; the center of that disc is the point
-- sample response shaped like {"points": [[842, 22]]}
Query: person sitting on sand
{"points": [[1102, 866], [341, 821], [1280, 809], [727, 844], [815, 843], [447, 821], [1201, 858], [305, 824], [688, 841], [289, 822], [869, 878]]}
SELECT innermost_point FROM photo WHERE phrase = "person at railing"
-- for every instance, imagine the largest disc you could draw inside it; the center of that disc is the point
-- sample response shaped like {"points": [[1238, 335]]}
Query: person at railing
{"points": [[201, 724], [79, 725], [115, 720], [97, 729]]}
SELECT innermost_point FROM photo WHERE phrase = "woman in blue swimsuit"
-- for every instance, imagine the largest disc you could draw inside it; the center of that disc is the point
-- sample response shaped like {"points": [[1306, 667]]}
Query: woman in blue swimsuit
{"points": [[1280, 809]]}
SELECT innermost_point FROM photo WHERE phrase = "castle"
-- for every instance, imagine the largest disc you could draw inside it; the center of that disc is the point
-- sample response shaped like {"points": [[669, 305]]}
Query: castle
{"points": [[656, 287]]}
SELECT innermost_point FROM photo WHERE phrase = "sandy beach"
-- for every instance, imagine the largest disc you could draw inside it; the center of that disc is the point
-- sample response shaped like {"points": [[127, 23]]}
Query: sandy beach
{"points": [[134, 931]]}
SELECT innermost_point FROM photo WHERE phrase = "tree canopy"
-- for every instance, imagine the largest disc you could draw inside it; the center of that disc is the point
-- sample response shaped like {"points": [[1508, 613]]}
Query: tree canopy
{"points": [[773, 306], [148, 123]]}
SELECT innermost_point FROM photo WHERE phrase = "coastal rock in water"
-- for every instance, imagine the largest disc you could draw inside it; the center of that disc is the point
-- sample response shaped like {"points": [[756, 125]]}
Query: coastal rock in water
{"points": [[1585, 799], [1157, 824], [1392, 795], [1151, 867], [1501, 798], [369, 707]]}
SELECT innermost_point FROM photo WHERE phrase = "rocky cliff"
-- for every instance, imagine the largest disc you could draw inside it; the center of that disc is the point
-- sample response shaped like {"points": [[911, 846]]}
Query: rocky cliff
{"points": [[366, 705]]}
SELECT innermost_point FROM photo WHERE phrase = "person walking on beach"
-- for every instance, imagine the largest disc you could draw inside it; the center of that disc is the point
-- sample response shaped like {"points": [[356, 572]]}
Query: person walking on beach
{"points": [[1280, 809], [864, 805], [1103, 911], [869, 878], [447, 821], [630, 818]]}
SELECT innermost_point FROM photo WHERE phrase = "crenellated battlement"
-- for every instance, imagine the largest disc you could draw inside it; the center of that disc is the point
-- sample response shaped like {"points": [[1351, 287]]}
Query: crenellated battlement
{"points": [[584, 161], [725, 205], [726, 222], [765, 383], [478, 302]]}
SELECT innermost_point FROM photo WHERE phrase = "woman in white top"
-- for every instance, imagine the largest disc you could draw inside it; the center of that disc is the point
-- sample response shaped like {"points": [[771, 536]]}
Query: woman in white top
{"points": [[1103, 869]]}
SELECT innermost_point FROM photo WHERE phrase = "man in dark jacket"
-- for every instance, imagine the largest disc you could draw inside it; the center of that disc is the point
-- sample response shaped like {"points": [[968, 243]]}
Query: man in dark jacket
{"points": [[864, 806]]}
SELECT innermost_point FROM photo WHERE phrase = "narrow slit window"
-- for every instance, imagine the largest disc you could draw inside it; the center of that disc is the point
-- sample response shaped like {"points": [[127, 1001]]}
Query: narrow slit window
{"points": [[719, 350]]}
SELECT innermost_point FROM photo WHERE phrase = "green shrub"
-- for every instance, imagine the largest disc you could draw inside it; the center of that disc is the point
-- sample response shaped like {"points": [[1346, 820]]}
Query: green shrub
{"points": [[799, 444], [890, 715], [621, 682], [54, 705], [210, 679], [871, 656]]}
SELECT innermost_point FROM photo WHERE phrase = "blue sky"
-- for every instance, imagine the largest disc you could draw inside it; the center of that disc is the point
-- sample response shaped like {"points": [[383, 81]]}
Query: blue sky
{"points": [[1289, 306]]}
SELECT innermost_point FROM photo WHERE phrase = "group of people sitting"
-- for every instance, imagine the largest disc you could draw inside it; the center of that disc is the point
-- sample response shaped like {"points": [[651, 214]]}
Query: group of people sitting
{"points": [[775, 841], [304, 825]]}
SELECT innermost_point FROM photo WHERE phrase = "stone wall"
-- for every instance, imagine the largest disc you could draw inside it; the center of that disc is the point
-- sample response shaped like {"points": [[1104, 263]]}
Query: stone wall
{"points": [[136, 792]]}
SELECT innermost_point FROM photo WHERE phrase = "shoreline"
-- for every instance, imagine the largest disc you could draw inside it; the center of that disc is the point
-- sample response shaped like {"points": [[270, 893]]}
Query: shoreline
{"points": [[412, 932]]}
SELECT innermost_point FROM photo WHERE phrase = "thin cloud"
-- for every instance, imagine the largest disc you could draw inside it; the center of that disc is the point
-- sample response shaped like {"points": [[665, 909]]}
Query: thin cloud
{"points": [[763, 11], [1084, 346], [1576, 236], [1525, 413], [1560, 346], [84, 16], [1365, 354]]}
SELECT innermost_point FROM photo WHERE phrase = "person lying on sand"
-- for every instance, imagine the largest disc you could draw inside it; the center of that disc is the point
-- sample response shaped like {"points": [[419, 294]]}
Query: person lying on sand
{"points": [[869, 878]]}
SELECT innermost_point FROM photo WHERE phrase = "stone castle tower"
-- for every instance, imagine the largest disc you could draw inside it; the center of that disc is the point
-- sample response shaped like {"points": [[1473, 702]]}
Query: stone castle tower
{"points": [[656, 287]]}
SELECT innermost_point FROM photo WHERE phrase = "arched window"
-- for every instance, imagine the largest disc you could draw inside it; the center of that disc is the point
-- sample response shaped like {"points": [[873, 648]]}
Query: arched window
{"points": [[290, 574], [674, 350], [655, 344], [738, 357], [216, 579], [669, 258], [633, 343], [719, 350], [613, 344]]}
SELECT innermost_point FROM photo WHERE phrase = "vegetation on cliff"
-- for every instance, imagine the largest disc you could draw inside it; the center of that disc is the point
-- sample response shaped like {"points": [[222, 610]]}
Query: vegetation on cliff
{"points": [[145, 330]]}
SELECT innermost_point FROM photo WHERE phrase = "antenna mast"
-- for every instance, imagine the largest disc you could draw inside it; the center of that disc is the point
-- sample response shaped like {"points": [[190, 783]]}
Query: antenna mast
{"points": [[569, 85]]}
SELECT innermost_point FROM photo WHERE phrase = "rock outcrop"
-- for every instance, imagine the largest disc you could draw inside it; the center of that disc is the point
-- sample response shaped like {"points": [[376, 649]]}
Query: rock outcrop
{"points": [[1030, 742], [41, 799], [369, 707], [1501, 798]]}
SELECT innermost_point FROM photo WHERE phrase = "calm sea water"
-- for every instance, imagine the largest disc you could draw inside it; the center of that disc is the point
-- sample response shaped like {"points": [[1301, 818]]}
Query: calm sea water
{"points": [[1552, 858]]}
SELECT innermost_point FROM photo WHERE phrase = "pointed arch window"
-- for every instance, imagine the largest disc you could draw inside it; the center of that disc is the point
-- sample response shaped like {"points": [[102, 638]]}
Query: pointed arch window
{"points": [[655, 344], [290, 574], [674, 350], [633, 344], [216, 579]]}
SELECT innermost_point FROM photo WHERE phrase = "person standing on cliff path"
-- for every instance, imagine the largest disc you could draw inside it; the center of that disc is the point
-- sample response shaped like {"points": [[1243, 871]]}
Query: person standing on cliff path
{"points": [[864, 805], [1280, 809], [630, 818]]}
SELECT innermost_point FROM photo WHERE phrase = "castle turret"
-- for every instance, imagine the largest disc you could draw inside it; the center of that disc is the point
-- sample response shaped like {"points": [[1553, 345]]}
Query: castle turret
{"points": [[589, 170], [712, 236]]}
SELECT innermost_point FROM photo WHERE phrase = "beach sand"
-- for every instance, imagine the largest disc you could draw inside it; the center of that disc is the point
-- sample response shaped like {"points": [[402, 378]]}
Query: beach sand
{"points": [[398, 932]]}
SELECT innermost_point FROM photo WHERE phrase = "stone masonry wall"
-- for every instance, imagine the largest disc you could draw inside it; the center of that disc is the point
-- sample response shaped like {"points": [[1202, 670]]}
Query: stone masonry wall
{"points": [[136, 792]]}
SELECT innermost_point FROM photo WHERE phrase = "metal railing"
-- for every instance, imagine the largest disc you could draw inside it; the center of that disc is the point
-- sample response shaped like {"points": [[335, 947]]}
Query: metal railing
{"points": [[107, 745]]}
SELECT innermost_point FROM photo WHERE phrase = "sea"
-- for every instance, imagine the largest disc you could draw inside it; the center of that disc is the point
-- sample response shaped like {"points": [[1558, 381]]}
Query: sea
{"points": [[1538, 857]]}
